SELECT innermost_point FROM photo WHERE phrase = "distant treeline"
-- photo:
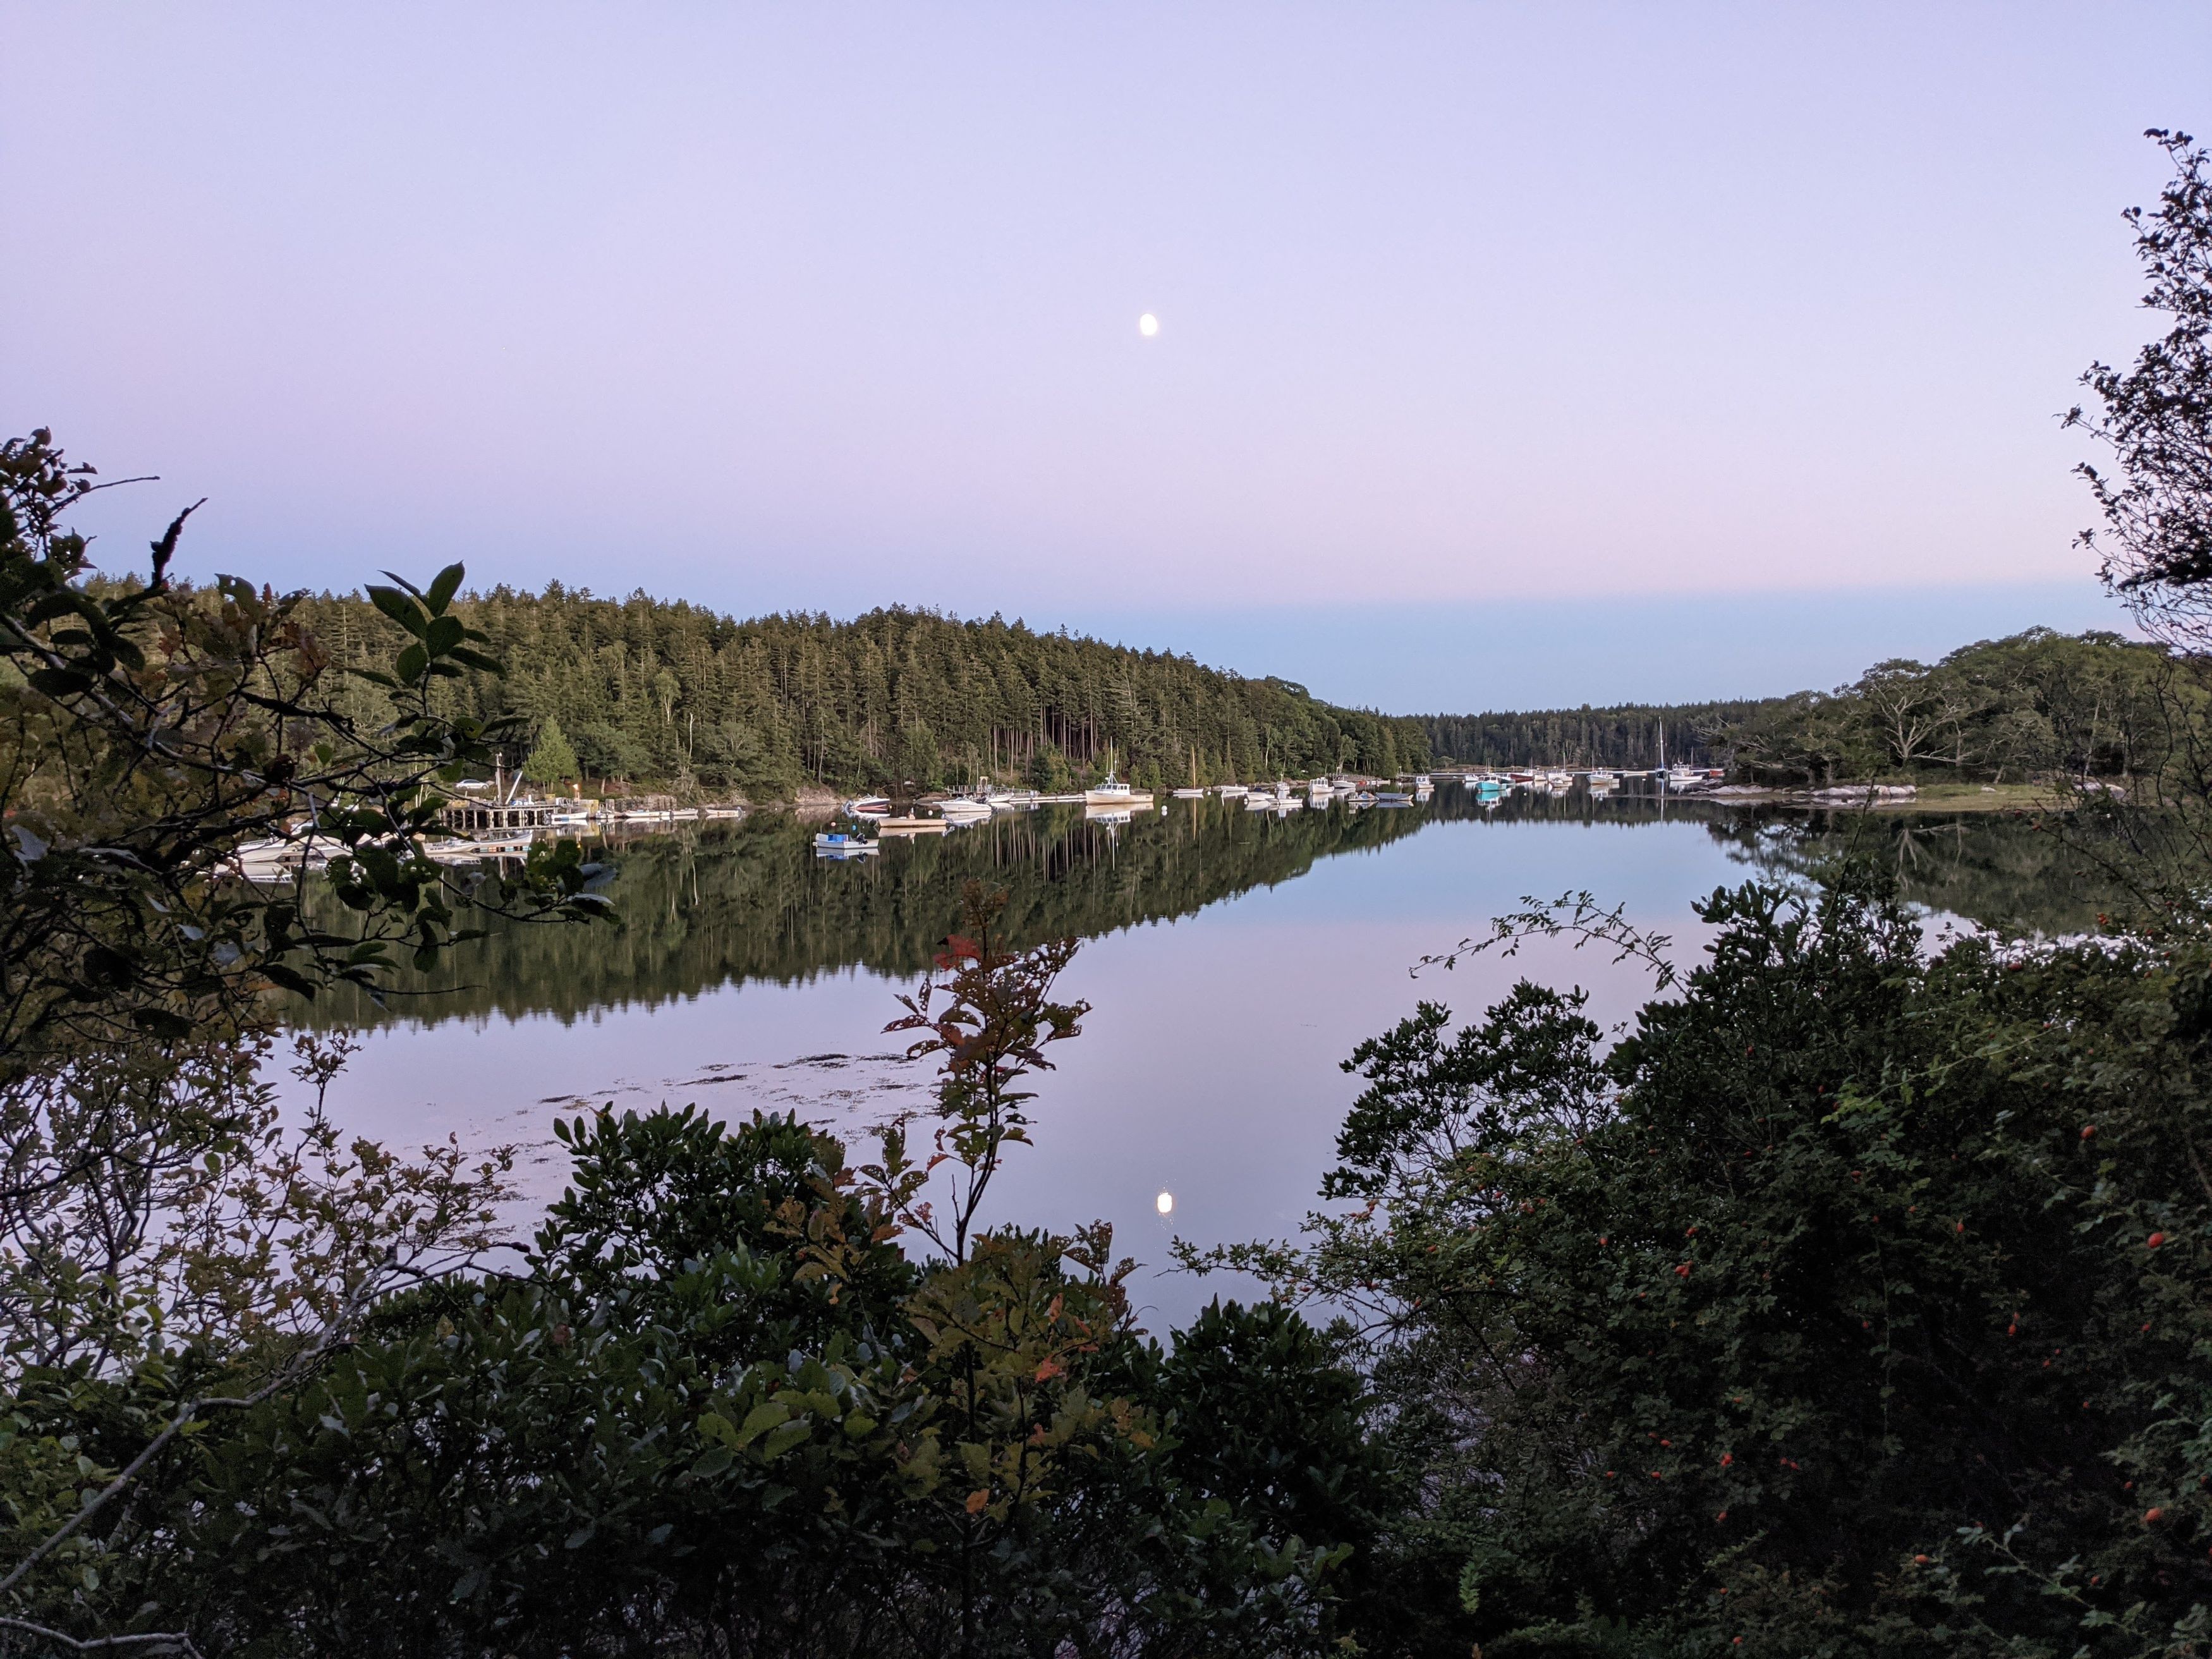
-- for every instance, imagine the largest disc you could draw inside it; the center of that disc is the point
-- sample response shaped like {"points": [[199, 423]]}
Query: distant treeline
{"points": [[2035, 704], [1625, 735], [643, 689]]}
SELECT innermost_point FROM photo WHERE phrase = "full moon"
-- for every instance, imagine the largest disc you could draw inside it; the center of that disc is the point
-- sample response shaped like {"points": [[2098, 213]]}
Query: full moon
{"points": [[1149, 325], [1164, 1203]]}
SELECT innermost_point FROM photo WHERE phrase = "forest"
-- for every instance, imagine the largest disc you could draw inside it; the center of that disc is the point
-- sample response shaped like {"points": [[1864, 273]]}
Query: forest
{"points": [[2036, 704], [2039, 704], [1630, 737], [645, 691]]}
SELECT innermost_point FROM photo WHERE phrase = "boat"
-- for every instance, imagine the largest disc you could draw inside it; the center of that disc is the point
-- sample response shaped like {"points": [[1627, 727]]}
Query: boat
{"points": [[868, 806], [1258, 801], [1190, 794], [1113, 792], [1361, 797], [836, 844], [1393, 798], [1603, 780], [1096, 814], [1230, 791], [280, 855], [463, 849], [1012, 800], [964, 808]]}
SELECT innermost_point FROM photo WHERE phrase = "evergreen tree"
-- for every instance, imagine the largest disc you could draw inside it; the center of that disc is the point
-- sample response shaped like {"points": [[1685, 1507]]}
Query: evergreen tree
{"points": [[553, 760]]}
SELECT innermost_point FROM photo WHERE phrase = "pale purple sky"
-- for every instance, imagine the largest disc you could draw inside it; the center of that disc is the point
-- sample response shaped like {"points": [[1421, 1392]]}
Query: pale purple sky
{"points": [[1464, 307]]}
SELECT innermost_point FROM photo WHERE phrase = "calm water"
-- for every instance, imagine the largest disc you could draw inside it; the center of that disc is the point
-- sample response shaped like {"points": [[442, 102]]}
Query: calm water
{"points": [[1232, 960]]}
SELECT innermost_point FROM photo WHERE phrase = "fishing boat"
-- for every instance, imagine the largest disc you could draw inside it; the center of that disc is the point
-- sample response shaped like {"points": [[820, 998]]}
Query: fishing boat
{"points": [[466, 849], [280, 855], [1115, 793], [1097, 814], [834, 843]]}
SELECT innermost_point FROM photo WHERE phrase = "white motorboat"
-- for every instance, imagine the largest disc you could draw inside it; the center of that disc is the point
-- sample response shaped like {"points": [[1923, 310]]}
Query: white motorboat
{"points": [[280, 855], [964, 808], [1115, 793], [869, 806], [1190, 794], [464, 849], [831, 843], [1230, 791]]}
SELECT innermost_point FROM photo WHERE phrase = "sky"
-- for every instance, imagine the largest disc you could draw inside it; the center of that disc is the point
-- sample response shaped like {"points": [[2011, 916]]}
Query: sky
{"points": [[1507, 355]]}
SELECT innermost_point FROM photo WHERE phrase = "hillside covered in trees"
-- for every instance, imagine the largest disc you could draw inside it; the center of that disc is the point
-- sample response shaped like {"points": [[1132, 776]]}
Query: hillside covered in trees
{"points": [[643, 689], [2035, 704], [1627, 735]]}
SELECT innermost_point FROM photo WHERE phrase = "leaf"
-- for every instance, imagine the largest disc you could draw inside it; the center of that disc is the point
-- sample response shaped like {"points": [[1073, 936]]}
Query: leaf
{"points": [[59, 682], [712, 1425], [760, 1420], [401, 609], [785, 1438], [411, 663], [977, 1501], [443, 634], [443, 587]]}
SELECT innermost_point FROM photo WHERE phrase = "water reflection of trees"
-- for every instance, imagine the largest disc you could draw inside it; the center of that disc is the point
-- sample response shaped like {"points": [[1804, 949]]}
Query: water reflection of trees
{"points": [[719, 903], [1997, 870], [722, 903]]}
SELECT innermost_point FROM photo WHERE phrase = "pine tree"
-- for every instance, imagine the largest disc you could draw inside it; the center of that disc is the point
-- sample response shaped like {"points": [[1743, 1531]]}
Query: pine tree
{"points": [[553, 760]]}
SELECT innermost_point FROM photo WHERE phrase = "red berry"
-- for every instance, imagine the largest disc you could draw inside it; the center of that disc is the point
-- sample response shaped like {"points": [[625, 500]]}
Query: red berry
{"points": [[2154, 1241], [1919, 1560], [2153, 1515], [2089, 1131]]}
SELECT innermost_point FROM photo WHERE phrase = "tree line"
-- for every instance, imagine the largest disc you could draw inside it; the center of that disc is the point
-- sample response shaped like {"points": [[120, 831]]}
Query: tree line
{"points": [[2038, 703], [1632, 737], [642, 690]]}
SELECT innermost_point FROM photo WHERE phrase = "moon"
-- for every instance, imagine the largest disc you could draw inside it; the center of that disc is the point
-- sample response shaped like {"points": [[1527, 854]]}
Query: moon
{"points": [[1149, 325], [1164, 1203]]}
